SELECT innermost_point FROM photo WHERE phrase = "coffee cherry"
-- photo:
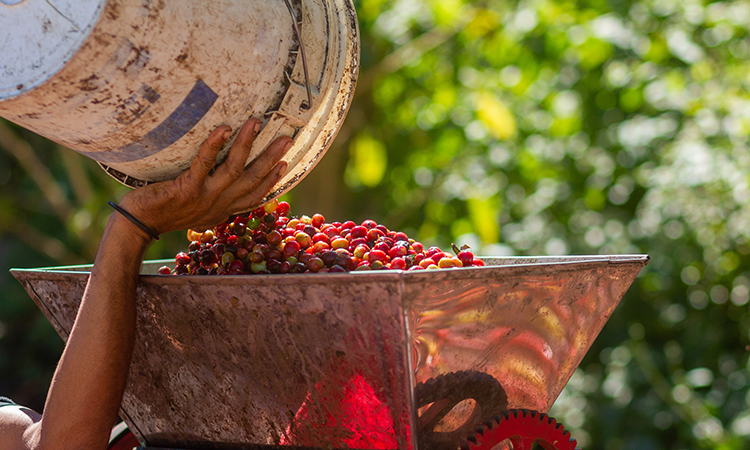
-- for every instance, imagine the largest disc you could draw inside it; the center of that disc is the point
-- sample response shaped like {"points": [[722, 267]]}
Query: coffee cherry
{"points": [[310, 230], [255, 257], [397, 251], [448, 262], [207, 256], [315, 264], [298, 268], [227, 259], [164, 270], [339, 243], [182, 258], [377, 255], [382, 246], [291, 249], [344, 261], [268, 241], [329, 258], [271, 206], [274, 254], [359, 232], [437, 257], [318, 220], [399, 236], [259, 236], [207, 237], [239, 229], [320, 247], [274, 265], [282, 208], [304, 258], [258, 266], [320, 237], [273, 238], [303, 239], [360, 251], [398, 264], [433, 251], [374, 234], [466, 257]]}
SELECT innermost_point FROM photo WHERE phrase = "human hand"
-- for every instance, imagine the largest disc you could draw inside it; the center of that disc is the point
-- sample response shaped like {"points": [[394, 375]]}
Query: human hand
{"points": [[198, 199]]}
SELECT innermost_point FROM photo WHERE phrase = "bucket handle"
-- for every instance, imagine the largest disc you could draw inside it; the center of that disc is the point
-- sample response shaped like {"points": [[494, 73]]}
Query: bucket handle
{"points": [[305, 105]]}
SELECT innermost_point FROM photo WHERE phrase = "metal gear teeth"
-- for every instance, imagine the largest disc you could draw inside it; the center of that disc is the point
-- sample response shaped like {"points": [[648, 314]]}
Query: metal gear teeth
{"points": [[476, 441]]}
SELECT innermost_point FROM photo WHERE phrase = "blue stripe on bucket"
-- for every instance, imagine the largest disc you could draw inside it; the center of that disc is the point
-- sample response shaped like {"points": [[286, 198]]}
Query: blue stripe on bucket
{"points": [[196, 104]]}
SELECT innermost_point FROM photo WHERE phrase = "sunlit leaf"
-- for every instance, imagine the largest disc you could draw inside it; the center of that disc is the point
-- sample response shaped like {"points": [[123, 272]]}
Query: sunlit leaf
{"points": [[496, 116], [483, 214], [369, 159]]}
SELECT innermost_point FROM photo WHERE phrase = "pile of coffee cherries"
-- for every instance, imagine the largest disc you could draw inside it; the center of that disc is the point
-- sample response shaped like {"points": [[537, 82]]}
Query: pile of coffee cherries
{"points": [[268, 241]]}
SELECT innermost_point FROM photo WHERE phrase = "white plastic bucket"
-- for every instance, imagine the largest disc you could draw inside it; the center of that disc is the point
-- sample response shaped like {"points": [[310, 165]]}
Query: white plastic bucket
{"points": [[138, 85]]}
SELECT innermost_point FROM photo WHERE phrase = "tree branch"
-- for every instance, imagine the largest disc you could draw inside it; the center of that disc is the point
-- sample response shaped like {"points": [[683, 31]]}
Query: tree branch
{"points": [[38, 172]]}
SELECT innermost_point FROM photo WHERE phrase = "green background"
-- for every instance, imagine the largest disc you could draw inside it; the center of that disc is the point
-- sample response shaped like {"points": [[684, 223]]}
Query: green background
{"points": [[521, 128]]}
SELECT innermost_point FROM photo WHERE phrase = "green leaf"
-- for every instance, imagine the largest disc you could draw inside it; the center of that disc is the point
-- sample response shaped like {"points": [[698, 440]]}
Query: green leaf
{"points": [[496, 116], [369, 160], [483, 214]]}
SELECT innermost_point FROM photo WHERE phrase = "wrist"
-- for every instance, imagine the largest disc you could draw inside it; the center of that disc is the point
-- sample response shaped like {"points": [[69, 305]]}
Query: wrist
{"points": [[120, 228], [134, 220]]}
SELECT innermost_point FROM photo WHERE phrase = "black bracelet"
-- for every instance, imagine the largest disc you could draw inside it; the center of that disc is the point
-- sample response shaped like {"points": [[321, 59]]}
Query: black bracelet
{"points": [[134, 220]]}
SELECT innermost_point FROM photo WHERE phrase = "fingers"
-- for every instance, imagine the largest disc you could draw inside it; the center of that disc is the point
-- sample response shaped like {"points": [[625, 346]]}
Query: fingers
{"points": [[260, 190], [262, 166], [234, 166], [205, 161]]}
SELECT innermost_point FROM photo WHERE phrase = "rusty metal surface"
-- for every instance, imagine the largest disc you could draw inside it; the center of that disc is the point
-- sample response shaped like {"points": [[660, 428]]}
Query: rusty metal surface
{"points": [[235, 359]]}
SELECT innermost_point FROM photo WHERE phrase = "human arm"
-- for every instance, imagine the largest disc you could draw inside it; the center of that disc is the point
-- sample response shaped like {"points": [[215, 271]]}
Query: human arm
{"points": [[87, 387]]}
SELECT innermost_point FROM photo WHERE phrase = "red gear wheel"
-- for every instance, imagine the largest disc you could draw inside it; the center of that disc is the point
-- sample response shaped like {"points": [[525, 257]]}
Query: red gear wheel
{"points": [[523, 428]]}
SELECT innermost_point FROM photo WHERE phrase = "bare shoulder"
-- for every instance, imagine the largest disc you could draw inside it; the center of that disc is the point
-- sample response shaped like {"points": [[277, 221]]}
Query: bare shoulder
{"points": [[18, 427]]}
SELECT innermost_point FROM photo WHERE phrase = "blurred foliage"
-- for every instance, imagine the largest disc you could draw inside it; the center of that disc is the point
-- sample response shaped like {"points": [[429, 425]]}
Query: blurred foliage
{"points": [[518, 127]]}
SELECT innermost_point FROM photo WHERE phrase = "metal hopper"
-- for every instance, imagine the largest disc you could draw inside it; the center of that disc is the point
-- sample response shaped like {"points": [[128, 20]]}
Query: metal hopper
{"points": [[267, 360]]}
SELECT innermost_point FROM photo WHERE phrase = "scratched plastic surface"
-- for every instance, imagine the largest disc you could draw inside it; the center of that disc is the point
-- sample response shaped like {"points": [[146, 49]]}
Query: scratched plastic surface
{"points": [[331, 360]]}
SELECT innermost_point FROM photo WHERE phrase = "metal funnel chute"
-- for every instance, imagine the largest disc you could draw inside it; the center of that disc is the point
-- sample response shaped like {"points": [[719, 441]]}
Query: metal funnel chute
{"points": [[257, 359]]}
